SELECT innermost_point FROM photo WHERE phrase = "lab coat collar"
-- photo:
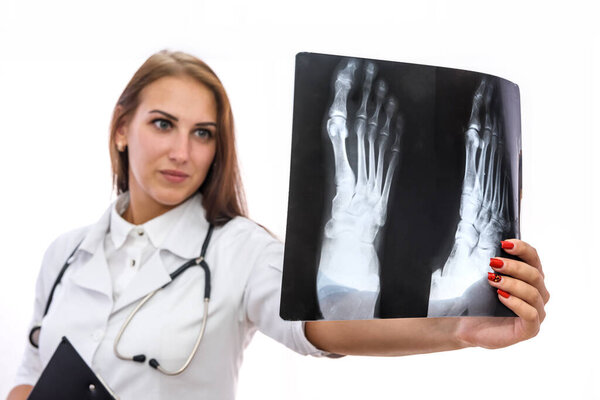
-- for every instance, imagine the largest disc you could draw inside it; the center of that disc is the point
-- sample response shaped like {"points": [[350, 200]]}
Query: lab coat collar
{"points": [[156, 229], [187, 234], [184, 239], [119, 227], [94, 274], [95, 235]]}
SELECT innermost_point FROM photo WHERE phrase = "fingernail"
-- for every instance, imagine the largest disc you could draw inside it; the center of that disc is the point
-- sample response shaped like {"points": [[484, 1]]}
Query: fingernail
{"points": [[507, 245], [496, 263], [503, 293], [494, 277]]}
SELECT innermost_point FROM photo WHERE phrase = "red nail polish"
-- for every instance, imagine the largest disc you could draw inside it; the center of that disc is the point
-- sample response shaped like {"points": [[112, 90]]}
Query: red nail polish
{"points": [[503, 293], [496, 263], [507, 245], [494, 277]]}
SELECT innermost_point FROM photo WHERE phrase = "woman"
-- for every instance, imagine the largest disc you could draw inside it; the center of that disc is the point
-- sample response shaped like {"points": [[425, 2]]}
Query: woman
{"points": [[175, 170]]}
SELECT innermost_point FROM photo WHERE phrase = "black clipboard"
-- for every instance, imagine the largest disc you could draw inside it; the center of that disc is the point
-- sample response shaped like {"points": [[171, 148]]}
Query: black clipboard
{"points": [[68, 377]]}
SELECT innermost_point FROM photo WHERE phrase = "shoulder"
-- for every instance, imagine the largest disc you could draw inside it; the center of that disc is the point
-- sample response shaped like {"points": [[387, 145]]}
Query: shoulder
{"points": [[59, 250], [66, 242], [250, 241], [242, 230]]}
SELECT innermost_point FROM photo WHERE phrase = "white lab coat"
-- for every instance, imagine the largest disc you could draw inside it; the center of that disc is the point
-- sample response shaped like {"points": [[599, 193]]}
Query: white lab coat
{"points": [[246, 267]]}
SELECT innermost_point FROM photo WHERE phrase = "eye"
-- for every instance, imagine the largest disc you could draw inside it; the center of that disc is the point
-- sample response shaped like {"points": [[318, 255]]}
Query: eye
{"points": [[203, 133], [162, 124]]}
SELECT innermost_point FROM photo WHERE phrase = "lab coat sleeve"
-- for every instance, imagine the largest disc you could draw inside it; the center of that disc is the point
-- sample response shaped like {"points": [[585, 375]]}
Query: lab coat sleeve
{"points": [[31, 366], [262, 297]]}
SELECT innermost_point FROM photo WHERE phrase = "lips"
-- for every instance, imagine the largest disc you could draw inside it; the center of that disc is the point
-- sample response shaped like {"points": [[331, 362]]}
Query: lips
{"points": [[174, 176], [173, 172]]}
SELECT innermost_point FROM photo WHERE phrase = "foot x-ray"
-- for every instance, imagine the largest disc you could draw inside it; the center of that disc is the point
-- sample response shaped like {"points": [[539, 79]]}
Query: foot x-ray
{"points": [[404, 179]]}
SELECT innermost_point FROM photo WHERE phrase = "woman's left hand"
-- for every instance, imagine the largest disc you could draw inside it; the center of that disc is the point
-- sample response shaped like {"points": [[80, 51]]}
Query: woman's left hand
{"points": [[523, 284], [522, 290]]}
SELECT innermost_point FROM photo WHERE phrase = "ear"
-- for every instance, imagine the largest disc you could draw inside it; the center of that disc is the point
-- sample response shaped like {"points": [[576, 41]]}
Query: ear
{"points": [[122, 129]]}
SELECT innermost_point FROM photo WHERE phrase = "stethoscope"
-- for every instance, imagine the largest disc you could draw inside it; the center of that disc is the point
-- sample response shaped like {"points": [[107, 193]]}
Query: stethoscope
{"points": [[35, 331]]}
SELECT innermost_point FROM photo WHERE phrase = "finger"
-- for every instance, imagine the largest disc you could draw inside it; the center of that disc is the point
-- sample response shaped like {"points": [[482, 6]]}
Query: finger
{"points": [[529, 315], [520, 289], [522, 271], [524, 251]]}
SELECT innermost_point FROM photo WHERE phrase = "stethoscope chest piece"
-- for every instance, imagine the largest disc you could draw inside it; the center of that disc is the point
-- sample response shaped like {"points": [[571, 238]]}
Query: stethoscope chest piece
{"points": [[34, 336]]}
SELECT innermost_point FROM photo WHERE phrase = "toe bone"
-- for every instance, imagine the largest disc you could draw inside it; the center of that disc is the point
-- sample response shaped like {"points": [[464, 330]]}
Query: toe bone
{"points": [[342, 85], [390, 109]]}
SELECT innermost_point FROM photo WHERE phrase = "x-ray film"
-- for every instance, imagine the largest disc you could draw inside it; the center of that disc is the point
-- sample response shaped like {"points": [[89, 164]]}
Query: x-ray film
{"points": [[404, 179]]}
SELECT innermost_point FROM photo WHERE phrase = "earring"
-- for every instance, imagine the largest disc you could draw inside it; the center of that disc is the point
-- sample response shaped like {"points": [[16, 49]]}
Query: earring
{"points": [[121, 147]]}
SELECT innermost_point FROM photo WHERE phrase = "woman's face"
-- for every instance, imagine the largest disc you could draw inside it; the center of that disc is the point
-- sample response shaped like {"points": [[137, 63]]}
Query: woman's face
{"points": [[171, 142]]}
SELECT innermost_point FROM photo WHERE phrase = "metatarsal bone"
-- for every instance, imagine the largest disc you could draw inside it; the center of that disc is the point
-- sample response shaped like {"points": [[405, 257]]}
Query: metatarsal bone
{"points": [[485, 167], [390, 109], [492, 166], [484, 174], [399, 133], [469, 205], [496, 197], [487, 135], [391, 168], [380, 92], [337, 131], [504, 206], [360, 127]]}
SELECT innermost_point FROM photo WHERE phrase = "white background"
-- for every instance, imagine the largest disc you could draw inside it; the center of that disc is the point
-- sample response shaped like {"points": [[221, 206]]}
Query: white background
{"points": [[63, 65]]}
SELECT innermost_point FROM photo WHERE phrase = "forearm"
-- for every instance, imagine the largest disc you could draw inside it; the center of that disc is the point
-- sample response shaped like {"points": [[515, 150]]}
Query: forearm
{"points": [[385, 337], [20, 392]]}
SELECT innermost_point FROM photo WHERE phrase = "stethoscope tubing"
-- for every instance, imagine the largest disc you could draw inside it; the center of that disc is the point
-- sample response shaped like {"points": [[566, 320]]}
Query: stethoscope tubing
{"points": [[153, 362], [38, 327], [200, 261]]}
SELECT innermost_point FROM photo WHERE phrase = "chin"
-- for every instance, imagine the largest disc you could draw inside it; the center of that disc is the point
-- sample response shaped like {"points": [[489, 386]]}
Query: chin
{"points": [[172, 197]]}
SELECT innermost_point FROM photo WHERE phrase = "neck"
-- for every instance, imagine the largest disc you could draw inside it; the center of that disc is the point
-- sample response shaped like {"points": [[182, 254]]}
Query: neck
{"points": [[139, 212]]}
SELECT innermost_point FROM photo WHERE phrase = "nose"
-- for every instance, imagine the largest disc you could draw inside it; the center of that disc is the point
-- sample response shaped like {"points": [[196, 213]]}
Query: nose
{"points": [[180, 147]]}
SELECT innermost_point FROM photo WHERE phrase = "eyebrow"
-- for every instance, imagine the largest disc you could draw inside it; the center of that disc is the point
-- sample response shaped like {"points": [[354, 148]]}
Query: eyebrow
{"points": [[176, 119]]}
